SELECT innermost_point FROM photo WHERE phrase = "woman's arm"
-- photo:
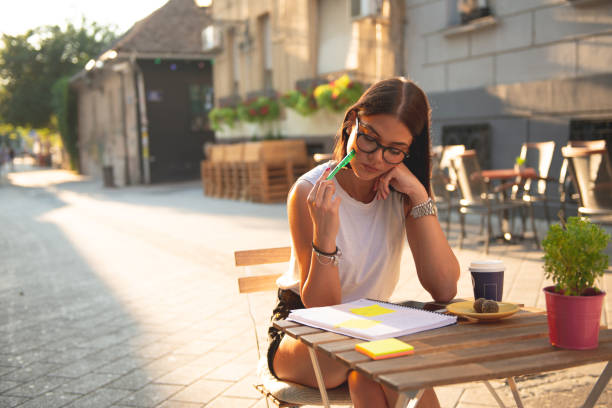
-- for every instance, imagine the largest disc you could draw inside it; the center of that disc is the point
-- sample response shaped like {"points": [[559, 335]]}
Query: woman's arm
{"points": [[436, 264], [313, 218]]}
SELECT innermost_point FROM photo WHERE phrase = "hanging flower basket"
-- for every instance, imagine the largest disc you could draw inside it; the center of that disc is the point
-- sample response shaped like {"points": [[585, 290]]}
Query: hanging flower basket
{"points": [[303, 103], [220, 117], [262, 109], [338, 95]]}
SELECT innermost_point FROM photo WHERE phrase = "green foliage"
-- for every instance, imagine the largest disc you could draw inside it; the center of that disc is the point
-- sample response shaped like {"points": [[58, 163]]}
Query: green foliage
{"points": [[303, 103], [220, 117], [31, 63], [64, 102], [262, 109], [573, 255], [338, 95], [519, 160]]}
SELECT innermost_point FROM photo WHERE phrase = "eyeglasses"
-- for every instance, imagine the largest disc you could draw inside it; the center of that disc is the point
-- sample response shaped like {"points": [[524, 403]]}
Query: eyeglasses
{"points": [[369, 144]]}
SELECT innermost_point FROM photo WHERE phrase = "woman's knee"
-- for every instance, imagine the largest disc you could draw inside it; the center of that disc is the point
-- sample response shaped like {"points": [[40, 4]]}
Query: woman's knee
{"points": [[361, 383]]}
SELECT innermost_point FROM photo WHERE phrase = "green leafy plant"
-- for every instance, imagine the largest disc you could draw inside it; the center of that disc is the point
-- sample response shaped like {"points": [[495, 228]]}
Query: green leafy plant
{"points": [[573, 256], [262, 109], [303, 102], [338, 95], [220, 117], [519, 160]]}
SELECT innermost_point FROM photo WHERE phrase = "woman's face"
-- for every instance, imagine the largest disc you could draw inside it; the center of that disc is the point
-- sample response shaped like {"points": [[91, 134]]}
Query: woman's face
{"points": [[387, 131]]}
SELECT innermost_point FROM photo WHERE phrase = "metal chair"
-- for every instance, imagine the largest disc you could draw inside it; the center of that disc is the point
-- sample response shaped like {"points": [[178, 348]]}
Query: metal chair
{"points": [[566, 192], [444, 180], [281, 393], [538, 156], [591, 173], [477, 198]]}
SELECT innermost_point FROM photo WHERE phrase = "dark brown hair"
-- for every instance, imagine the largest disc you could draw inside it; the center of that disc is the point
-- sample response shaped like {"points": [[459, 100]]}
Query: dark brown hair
{"points": [[407, 102]]}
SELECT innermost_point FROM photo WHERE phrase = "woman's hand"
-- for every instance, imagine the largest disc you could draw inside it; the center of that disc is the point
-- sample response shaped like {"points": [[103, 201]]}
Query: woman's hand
{"points": [[324, 213], [403, 181]]}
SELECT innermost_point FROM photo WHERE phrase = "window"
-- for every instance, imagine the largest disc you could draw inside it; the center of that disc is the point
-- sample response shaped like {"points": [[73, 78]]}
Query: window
{"points": [[266, 51], [476, 136], [200, 102], [464, 11], [235, 58]]}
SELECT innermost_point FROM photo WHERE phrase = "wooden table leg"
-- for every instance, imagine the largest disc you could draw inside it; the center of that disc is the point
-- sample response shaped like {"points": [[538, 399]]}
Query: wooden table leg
{"points": [[599, 386], [494, 393], [319, 375], [515, 393]]}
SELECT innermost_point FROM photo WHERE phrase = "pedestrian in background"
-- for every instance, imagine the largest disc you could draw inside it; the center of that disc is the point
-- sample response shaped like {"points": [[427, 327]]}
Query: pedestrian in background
{"points": [[11, 153]]}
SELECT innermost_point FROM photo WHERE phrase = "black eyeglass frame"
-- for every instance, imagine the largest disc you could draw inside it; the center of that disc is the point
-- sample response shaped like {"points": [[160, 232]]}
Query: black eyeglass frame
{"points": [[378, 145]]}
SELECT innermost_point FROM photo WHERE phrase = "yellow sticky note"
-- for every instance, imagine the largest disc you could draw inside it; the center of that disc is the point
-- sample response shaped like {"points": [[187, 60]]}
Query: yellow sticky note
{"points": [[373, 310], [357, 324]]}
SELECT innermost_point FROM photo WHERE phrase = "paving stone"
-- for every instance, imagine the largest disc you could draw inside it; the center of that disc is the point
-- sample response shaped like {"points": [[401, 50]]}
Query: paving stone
{"points": [[178, 404], [7, 385], [150, 395], [232, 402], [133, 381], [80, 367], [68, 356], [37, 387], [244, 388], [101, 398], [10, 402], [202, 391], [123, 365], [5, 370], [50, 400], [30, 372], [88, 383]]}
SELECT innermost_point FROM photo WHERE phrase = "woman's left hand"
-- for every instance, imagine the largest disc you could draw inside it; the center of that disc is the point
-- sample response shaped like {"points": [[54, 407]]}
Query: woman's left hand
{"points": [[403, 181]]}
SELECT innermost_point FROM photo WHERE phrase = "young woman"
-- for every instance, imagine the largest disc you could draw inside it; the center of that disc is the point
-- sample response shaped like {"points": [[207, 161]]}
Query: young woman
{"points": [[348, 233]]}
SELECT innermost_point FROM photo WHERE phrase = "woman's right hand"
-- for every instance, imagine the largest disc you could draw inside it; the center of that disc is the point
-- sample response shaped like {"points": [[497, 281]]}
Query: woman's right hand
{"points": [[323, 210]]}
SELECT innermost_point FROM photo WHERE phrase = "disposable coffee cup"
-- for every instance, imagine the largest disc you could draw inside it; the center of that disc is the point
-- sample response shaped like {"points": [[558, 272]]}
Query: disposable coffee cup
{"points": [[488, 279]]}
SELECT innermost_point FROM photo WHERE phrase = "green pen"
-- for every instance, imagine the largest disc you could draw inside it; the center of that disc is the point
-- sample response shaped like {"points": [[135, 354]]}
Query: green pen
{"points": [[340, 165]]}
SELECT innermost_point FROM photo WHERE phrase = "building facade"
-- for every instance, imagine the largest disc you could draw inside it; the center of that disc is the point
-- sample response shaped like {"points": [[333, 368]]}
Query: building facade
{"points": [[143, 104], [269, 47], [520, 71]]}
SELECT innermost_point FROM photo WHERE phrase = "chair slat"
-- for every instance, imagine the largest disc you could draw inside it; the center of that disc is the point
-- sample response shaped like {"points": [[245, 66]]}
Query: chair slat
{"points": [[257, 283], [262, 256]]}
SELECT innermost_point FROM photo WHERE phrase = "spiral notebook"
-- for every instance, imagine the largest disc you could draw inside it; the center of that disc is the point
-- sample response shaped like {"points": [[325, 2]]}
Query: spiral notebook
{"points": [[370, 319]]}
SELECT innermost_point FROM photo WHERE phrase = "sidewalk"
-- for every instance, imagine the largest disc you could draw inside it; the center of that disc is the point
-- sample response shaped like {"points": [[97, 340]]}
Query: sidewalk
{"points": [[160, 323]]}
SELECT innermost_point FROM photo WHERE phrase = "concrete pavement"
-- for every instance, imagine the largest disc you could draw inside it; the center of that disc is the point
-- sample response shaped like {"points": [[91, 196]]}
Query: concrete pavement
{"points": [[128, 298]]}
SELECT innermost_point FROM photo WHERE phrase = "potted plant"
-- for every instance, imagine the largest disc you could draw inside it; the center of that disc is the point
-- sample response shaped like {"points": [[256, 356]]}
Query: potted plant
{"points": [[519, 164], [574, 258]]}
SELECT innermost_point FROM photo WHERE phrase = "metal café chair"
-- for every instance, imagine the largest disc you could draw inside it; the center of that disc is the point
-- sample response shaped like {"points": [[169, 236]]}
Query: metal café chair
{"points": [[567, 194], [444, 180], [538, 156], [478, 198], [591, 173]]}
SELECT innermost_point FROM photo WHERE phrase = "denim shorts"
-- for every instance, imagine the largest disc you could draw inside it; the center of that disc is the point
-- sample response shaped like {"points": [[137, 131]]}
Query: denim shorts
{"points": [[287, 301]]}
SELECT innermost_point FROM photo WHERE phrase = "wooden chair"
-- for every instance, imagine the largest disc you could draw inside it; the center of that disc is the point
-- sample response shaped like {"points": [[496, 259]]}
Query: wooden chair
{"points": [[591, 173], [281, 393]]}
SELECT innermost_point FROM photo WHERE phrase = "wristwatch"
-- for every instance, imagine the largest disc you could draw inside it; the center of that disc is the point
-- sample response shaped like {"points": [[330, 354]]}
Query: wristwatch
{"points": [[425, 208]]}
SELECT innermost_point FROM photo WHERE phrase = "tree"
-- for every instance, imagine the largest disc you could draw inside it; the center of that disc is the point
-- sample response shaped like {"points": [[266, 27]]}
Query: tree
{"points": [[31, 63]]}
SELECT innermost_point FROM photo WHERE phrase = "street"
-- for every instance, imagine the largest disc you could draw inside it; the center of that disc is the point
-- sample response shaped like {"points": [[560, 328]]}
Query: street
{"points": [[128, 297]]}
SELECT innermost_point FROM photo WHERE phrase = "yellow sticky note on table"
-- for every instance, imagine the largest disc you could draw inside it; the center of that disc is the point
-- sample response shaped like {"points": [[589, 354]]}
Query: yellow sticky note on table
{"points": [[358, 324], [386, 348], [373, 310]]}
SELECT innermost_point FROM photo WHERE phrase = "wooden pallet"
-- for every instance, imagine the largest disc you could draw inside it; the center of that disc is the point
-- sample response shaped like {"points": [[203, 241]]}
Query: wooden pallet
{"points": [[271, 182]]}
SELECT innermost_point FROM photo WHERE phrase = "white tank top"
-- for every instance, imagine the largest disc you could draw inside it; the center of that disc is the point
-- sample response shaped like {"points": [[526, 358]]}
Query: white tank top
{"points": [[371, 237]]}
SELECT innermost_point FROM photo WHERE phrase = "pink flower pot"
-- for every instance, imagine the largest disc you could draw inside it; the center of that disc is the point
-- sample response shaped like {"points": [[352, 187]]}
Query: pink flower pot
{"points": [[573, 321]]}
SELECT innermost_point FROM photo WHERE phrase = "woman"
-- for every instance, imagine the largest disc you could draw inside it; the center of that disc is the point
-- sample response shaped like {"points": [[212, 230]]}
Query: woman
{"points": [[348, 232]]}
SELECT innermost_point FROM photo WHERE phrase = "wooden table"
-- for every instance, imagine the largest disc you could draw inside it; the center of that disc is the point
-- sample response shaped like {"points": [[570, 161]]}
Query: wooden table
{"points": [[461, 353], [508, 174]]}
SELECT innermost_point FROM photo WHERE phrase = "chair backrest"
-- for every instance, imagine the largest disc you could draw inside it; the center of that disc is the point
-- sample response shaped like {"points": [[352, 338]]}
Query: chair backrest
{"points": [[253, 257], [448, 152], [471, 184], [591, 172], [564, 180], [539, 156]]}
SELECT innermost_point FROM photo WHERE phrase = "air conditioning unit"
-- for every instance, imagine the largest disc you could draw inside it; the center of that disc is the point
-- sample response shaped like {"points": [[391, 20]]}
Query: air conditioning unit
{"points": [[365, 8], [212, 38]]}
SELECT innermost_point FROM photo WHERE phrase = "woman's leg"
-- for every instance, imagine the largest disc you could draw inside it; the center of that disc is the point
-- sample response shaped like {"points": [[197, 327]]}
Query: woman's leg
{"points": [[368, 393], [292, 363]]}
